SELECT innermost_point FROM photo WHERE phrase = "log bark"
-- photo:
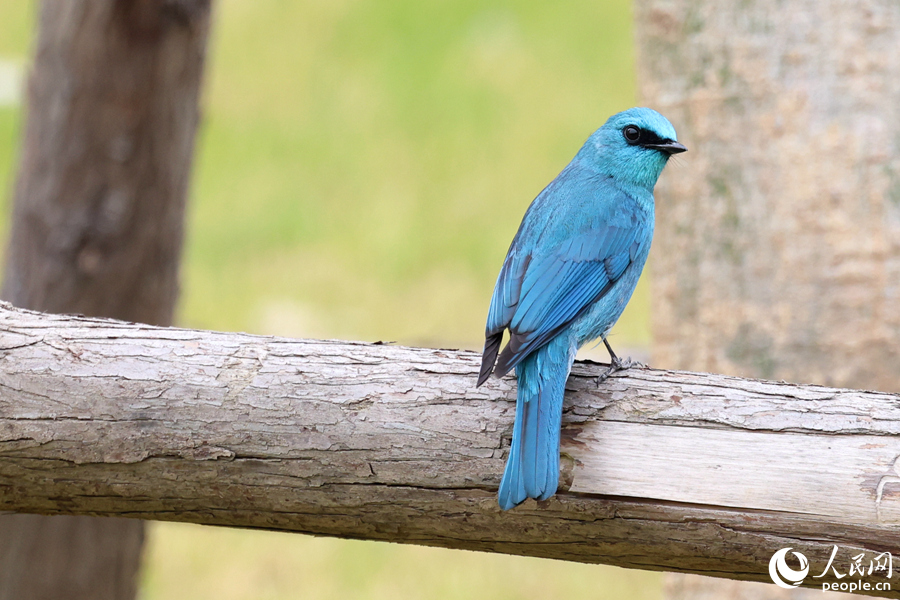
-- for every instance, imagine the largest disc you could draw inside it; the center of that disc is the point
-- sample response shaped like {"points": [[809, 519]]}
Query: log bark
{"points": [[97, 227], [662, 470]]}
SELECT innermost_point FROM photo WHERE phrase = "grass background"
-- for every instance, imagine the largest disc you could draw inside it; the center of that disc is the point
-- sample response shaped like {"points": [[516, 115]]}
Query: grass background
{"points": [[360, 171]]}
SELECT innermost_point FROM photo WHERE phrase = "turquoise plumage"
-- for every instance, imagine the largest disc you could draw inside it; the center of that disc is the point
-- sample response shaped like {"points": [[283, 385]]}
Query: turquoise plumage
{"points": [[567, 277]]}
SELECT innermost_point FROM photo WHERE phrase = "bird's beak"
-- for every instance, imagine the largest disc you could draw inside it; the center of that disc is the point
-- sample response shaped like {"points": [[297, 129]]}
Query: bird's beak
{"points": [[668, 146]]}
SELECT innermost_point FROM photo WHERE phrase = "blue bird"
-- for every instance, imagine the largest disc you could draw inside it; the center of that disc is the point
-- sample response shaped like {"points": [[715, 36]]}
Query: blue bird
{"points": [[569, 272]]}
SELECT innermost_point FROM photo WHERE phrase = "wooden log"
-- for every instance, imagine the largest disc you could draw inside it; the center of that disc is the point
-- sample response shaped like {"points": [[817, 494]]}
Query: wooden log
{"points": [[662, 470]]}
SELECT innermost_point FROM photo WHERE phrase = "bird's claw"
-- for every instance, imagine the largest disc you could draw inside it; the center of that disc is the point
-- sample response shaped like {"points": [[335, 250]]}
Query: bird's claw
{"points": [[617, 364]]}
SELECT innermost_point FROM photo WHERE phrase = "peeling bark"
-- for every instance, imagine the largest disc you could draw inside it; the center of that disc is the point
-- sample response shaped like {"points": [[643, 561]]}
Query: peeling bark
{"points": [[99, 417]]}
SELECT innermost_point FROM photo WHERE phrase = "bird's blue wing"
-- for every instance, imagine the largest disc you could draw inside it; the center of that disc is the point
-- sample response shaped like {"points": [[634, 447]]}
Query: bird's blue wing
{"points": [[560, 285], [507, 290], [577, 239], [503, 305]]}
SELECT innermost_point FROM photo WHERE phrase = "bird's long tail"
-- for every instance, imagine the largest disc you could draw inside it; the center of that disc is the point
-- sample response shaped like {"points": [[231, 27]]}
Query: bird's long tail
{"points": [[532, 469]]}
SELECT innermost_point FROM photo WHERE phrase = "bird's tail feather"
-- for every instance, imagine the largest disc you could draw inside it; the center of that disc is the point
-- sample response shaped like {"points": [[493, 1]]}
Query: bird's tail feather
{"points": [[532, 469]]}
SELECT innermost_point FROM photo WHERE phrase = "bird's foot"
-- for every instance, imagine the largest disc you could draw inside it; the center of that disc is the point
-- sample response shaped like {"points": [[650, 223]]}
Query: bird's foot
{"points": [[617, 364]]}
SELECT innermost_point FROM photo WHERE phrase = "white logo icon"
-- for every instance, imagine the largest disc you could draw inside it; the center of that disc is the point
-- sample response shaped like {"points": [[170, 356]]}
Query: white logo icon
{"points": [[784, 576]]}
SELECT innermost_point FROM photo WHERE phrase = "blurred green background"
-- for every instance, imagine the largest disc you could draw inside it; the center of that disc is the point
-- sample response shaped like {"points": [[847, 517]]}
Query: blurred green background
{"points": [[360, 171]]}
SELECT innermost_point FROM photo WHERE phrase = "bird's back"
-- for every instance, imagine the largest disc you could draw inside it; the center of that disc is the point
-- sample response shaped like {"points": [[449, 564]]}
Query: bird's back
{"points": [[579, 242]]}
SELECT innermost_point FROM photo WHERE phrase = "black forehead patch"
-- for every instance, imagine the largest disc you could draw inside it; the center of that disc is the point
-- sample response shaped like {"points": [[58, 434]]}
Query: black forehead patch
{"points": [[649, 137]]}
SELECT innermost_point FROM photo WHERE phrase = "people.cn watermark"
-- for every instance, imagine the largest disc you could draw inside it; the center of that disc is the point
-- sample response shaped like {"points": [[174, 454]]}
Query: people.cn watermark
{"points": [[880, 565]]}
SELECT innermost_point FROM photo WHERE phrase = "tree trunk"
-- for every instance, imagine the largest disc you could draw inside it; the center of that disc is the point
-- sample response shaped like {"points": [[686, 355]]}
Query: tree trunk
{"points": [[97, 227], [661, 470], [777, 251]]}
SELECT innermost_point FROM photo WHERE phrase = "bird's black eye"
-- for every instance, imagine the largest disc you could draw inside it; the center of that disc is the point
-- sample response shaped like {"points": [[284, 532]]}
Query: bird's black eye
{"points": [[632, 134]]}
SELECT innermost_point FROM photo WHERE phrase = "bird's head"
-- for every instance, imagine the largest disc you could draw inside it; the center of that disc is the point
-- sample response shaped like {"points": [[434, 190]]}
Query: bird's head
{"points": [[633, 146]]}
